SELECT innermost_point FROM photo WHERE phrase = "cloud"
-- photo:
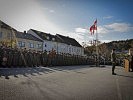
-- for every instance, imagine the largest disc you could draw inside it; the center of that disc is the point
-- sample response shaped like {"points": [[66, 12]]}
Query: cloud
{"points": [[51, 11], [103, 29], [82, 34], [115, 27], [107, 17], [106, 41], [120, 27], [22, 16], [48, 10], [81, 30]]}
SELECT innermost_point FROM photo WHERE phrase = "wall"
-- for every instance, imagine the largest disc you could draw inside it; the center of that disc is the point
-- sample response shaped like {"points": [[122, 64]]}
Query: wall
{"points": [[30, 41], [59, 47]]}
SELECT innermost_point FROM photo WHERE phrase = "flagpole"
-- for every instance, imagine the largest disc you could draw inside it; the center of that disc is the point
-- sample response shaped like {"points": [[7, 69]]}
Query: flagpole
{"points": [[97, 53], [92, 30]]}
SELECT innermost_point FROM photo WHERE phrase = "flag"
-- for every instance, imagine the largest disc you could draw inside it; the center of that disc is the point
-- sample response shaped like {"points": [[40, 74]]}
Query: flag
{"points": [[93, 27], [95, 23]]}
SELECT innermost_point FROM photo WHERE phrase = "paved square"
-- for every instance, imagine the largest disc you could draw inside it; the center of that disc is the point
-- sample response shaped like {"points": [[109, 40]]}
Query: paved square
{"points": [[66, 83]]}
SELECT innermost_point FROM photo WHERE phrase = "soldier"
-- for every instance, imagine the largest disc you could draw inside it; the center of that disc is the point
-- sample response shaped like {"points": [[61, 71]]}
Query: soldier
{"points": [[44, 57], [24, 53], [10, 57], [131, 63], [131, 59], [21, 58], [4, 56], [51, 57], [15, 57], [29, 58], [37, 59], [57, 59], [34, 58], [1, 55], [113, 59]]}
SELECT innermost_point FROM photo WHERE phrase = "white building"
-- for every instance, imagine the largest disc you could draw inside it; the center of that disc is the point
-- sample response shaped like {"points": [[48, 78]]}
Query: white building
{"points": [[61, 44]]}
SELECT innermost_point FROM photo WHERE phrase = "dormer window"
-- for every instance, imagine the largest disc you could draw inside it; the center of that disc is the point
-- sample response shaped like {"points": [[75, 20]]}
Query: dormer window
{"points": [[48, 37], [53, 39]]}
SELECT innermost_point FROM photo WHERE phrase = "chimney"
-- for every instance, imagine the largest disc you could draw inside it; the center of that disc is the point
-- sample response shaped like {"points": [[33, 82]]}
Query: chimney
{"points": [[24, 32]]}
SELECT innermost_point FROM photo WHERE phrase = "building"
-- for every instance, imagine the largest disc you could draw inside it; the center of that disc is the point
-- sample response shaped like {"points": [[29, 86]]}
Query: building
{"points": [[62, 44], [11, 37], [28, 41], [6, 34], [37, 40]]}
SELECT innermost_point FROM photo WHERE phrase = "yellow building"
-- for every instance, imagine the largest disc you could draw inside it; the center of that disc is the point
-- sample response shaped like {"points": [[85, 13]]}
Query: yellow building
{"points": [[11, 37]]}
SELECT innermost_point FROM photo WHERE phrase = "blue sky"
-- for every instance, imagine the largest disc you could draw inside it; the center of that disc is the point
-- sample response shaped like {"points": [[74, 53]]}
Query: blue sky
{"points": [[71, 18]]}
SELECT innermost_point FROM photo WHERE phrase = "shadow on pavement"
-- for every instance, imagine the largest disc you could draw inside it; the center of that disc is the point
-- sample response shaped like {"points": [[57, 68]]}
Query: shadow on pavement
{"points": [[124, 76], [6, 72], [69, 68], [34, 71]]}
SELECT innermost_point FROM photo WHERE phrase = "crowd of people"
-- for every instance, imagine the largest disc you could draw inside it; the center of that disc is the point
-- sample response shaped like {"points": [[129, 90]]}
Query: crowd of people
{"points": [[14, 57]]}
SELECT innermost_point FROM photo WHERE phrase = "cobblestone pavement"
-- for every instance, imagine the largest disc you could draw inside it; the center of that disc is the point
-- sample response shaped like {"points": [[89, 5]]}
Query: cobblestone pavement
{"points": [[65, 83]]}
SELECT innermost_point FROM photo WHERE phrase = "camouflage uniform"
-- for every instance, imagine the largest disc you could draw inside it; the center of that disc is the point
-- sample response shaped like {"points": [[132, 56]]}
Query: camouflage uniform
{"points": [[113, 59], [10, 57]]}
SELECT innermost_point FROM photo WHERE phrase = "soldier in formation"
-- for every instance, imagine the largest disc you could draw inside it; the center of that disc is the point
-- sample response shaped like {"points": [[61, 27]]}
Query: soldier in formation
{"points": [[14, 57]]}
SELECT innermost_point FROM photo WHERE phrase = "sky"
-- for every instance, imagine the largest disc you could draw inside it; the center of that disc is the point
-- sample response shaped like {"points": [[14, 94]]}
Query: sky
{"points": [[71, 18]]}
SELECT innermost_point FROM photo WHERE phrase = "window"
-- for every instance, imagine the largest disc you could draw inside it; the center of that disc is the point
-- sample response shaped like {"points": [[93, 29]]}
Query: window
{"points": [[31, 45], [53, 39], [72, 49], [21, 44], [48, 37], [45, 45], [0, 34], [69, 50], [39, 46], [9, 35]]}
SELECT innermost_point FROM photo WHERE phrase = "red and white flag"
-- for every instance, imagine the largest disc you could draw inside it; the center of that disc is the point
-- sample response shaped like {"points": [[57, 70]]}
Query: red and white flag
{"points": [[93, 27]]}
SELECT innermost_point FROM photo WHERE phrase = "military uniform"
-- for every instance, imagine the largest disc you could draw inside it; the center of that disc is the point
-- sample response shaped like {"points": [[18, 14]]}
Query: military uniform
{"points": [[1, 55], [25, 57], [4, 57], [34, 58], [29, 59], [21, 58], [132, 63], [45, 57], [10, 57], [113, 59]]}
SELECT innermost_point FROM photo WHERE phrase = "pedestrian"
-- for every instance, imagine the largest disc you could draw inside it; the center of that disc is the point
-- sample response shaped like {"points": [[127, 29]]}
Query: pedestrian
{"points": [[113, 60]]}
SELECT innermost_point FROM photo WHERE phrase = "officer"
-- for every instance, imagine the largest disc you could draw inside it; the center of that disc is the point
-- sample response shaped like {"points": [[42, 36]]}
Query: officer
{"points": [[113, 60], [131, 59]]}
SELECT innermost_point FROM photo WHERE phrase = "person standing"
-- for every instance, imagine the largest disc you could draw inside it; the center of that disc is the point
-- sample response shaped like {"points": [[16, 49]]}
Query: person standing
{"points": [[113, 60], [131, 59]]}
